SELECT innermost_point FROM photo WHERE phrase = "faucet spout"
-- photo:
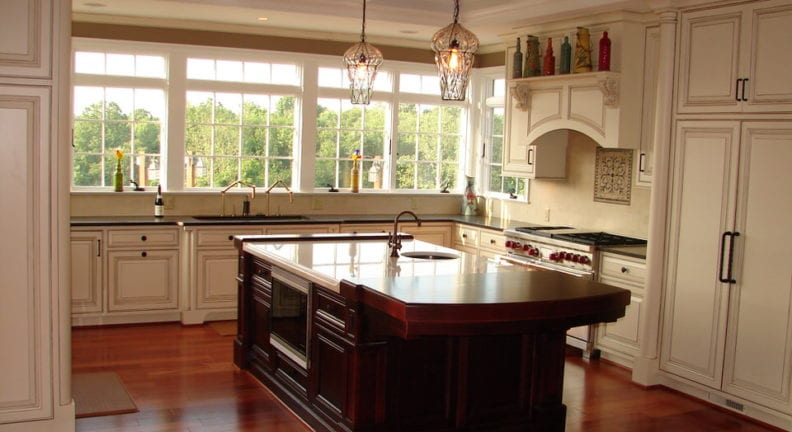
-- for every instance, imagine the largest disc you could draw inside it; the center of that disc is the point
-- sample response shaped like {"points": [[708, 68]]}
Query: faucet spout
{"points": [[394, 241], [245, 208], [281, 183]]}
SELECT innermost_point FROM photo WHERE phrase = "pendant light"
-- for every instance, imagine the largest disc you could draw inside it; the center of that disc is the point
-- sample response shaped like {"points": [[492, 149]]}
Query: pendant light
{"points": [[362, 61], [455, 48]]}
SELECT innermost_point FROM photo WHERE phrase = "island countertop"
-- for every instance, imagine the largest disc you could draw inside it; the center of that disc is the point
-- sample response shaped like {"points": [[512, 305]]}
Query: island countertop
{"points": [[427, 293]]}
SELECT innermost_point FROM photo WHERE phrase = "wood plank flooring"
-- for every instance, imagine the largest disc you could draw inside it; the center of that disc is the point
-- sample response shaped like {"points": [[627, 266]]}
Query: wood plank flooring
{"points": [[182, 379]]}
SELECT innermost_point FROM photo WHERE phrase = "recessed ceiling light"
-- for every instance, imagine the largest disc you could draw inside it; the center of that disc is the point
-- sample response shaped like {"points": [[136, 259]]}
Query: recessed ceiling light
{"points": [[94, 4], [263, 18], [408, 31]]}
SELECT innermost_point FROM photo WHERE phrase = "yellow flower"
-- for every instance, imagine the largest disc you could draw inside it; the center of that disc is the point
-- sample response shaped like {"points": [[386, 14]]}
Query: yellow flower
{"points": [[356, 155], [119, 154]]}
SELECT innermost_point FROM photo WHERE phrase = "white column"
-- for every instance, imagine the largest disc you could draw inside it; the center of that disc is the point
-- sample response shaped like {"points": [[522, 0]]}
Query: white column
{"points": [[646, 365]]}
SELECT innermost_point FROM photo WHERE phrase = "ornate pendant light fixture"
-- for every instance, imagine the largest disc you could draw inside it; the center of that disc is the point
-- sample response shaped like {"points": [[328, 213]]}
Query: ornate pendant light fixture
{"points": [[362, 61], [455, 48]]}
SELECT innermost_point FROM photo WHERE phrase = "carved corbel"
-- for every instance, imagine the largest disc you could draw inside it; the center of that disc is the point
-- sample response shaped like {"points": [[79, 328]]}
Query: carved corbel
{"points": [[610, 91], [522, 95]]}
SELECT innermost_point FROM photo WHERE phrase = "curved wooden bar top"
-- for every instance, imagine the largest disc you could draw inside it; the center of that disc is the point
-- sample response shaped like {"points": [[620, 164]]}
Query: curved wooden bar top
{"points": [[406, 344]]}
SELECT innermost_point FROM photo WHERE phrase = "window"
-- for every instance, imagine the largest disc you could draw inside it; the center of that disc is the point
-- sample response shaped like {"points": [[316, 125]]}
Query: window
{"points": [[202, 117], [429, 140], [497, 183], [343, 128], [123, 111], [231, 135]]}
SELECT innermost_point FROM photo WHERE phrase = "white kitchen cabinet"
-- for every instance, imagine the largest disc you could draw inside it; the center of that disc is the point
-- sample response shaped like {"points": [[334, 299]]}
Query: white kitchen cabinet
{"points": [[86, 272], [733, 59], [26, 38], [438, 233], [620, 341], [142, 280], [366, 228], [479, 241], [727, 300], [210, 278], [651, 56]]}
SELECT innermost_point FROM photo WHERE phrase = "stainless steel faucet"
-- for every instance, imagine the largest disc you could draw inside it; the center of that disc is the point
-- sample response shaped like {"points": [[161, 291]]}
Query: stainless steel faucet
{"points": [[394, 241], [245, 207]]}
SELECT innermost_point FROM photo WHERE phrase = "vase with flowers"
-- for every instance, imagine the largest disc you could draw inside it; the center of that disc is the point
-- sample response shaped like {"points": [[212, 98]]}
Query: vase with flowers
{"points": [[118, 179], [355, 174]]}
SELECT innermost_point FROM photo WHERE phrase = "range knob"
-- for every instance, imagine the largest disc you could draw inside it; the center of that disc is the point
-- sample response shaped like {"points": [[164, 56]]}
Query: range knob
{"points": [[585, 260], [535, 252], [508, 243], [527, 248], [516, 245]]}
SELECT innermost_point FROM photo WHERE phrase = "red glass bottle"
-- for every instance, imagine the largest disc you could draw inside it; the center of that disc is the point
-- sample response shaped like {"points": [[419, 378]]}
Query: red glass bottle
{"points": [[548, 68], [604, 52]]}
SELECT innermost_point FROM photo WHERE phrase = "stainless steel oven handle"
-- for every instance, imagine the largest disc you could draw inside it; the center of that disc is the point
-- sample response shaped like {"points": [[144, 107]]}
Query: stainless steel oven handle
{"points": [[540, 265]]}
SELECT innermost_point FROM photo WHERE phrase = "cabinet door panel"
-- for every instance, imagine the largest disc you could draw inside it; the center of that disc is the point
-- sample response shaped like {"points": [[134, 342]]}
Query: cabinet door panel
{"points": [[759, 344], [25, 41], [709, 63], [25, 253], [86, 272], [770, 80], [695, 313], [137, 282], [217, 284]]}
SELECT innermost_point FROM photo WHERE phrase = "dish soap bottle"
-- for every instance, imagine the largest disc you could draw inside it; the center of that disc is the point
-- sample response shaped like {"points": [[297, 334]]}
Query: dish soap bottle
{"points": [[159, 204]]}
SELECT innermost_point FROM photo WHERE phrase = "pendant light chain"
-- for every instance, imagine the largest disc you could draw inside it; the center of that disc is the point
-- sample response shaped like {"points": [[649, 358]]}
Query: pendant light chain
{"points": [[363, 26], [456, 10]]}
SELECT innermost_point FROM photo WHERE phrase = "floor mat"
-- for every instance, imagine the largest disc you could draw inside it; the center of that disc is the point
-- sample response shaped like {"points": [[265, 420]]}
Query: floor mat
{"points": [[100, 393]]}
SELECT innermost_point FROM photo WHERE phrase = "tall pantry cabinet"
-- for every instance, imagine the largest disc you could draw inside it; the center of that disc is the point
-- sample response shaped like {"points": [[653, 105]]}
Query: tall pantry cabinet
{"points": [[35, 393], [727, 328]]}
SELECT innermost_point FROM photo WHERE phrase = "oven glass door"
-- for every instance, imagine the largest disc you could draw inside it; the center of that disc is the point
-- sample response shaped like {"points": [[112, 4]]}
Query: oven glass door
{"points": [[289, 316]]}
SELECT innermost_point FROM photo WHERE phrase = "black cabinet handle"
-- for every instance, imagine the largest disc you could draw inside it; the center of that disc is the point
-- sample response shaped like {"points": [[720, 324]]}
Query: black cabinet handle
{"points": [[530, 156], [230, 237], [144, 254], [98, 247], [728, 278], [641, 159], [737, 90], [625, 270], [143, 238], [745, 84]]}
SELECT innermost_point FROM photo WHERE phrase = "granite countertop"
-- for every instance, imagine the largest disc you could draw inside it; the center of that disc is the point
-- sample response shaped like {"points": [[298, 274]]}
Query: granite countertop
{"points": [[479, 221], [468, 290]]}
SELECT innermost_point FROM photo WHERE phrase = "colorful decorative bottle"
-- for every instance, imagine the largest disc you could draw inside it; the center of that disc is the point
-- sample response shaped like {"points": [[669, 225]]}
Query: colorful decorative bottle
{"points": [[583, 51], [118, 178], [604, 52], [532, 65], [548, 66], [469, 198], [566, 56], [517, 62], [354, 178]]}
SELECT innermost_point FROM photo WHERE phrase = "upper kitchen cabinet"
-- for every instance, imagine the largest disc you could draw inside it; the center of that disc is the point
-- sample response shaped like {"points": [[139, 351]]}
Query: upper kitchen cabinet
{"points": [[651, 62], [604, 105], [25, 38], [734, 59]]}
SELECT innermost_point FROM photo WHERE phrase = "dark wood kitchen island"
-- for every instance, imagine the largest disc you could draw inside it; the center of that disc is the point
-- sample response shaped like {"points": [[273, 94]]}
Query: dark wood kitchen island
{"points": [[354, 340]]}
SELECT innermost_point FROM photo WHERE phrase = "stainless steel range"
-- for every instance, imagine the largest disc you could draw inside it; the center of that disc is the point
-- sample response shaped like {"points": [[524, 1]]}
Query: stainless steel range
{"points": [[567, 250]]}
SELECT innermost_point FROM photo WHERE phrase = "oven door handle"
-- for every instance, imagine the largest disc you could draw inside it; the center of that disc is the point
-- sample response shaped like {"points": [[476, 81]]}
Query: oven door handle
{"points": [[539, 265]]}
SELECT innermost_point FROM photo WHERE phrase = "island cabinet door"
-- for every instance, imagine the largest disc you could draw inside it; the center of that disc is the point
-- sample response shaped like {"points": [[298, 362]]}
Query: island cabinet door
{"points": [[330, 358], [259, 318]]}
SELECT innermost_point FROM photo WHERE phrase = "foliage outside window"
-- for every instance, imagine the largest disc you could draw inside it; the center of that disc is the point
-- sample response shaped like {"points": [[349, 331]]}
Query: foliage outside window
{"points": [[343, 128], [498, 183], [232, 136], [109, 117]]}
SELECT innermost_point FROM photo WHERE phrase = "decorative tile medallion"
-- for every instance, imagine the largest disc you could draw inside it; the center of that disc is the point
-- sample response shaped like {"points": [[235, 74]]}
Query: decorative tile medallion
{"points": [[613, 175]]}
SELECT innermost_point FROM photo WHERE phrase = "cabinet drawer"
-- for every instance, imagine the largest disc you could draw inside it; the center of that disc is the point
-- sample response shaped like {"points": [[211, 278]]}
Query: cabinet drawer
{"points": [[623, 268], [367, 228], [331, 310], [466, 236], [142, 238], [493, 241], [221, 237]]}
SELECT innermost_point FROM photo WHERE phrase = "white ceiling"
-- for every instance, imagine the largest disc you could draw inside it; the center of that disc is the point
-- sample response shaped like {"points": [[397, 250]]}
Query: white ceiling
{"points": [[400, 22]]}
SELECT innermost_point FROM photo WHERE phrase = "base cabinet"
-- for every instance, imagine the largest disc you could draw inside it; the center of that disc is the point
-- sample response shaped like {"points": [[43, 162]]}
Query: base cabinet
{"points": [[620, 341], [86, 272], [142, 280]]}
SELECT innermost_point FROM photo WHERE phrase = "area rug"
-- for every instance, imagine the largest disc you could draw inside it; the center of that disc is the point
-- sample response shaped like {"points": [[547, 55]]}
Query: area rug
{"points": [[224, 328], [100, 394]]}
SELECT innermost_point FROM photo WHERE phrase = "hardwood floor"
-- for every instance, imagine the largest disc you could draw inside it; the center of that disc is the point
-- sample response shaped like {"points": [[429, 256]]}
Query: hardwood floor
{"points": [[182, 379]]}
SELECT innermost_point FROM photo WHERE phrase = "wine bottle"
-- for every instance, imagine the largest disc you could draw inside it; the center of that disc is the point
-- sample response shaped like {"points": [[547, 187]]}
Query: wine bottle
{"points": [[159, 204]]}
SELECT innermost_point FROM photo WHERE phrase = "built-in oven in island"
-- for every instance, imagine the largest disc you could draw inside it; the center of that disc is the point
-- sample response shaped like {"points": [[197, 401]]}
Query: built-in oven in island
{"points": [[289, 316]]}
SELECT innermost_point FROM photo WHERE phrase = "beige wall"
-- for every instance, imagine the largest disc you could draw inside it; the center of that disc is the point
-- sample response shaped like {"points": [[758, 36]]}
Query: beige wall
{"points": [[181, 204], [571, 201]]}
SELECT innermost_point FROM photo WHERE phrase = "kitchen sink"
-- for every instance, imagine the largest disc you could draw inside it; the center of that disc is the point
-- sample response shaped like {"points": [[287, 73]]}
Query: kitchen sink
{"points": [[430, 255], [262, 218]]}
